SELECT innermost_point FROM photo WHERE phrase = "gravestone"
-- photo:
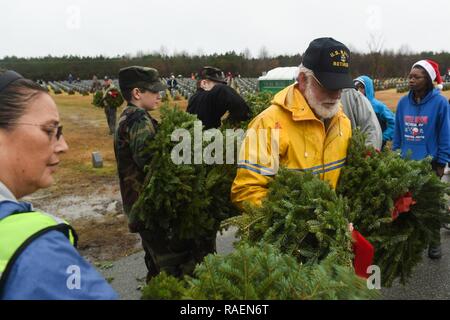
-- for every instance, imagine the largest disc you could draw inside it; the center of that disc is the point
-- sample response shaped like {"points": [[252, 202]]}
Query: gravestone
{"points": [[97, 161]]}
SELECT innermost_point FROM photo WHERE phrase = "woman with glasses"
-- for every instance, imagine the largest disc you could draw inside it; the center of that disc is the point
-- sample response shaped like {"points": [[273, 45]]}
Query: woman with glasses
{"points": [[38, 259], [422, 125]]}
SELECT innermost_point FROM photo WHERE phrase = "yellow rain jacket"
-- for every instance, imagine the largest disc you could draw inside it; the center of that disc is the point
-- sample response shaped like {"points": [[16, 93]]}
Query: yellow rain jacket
{"points": [[303, 145]]}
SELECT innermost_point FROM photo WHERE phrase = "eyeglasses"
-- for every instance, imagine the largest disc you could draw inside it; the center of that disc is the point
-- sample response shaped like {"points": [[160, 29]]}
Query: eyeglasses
{"points": [[51, 130], [415, 77], [317, 80]]}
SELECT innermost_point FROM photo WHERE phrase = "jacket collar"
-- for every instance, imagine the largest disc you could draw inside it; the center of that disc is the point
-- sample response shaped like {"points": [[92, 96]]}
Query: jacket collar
{"points": [[425, 99], [5, 194], [9, 203]]}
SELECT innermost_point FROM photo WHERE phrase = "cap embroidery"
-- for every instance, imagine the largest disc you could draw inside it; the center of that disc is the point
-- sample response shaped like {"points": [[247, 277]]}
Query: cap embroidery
{"points": [[343, 56]]}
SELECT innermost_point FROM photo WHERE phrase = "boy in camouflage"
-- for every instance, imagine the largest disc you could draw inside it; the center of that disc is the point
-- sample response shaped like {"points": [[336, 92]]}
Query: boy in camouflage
{"points": [[140, 87]]}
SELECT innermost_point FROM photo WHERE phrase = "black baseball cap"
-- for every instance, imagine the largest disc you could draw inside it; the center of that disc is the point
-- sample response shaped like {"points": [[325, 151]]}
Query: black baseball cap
{"points": [[329, 60], [212, 73], [140, 77]]}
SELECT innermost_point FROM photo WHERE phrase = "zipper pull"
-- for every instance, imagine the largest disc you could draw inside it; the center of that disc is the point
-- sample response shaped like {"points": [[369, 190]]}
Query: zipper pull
{"points": [[306, 154]]}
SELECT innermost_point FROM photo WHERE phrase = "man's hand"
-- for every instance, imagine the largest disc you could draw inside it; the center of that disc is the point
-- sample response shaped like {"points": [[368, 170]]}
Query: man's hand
{"points": [[350, 227], [440, 171]]}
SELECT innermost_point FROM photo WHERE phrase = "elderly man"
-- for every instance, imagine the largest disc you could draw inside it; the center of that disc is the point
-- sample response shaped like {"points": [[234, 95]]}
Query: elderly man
{"points": [[306, 122]]}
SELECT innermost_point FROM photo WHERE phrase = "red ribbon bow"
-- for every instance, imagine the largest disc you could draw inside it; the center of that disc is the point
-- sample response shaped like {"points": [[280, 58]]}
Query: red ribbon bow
{"points": [[113, 93], [369, 153], [402, 205]]}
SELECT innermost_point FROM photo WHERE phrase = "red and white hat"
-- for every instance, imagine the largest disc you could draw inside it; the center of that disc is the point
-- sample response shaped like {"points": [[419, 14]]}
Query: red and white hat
{"points": [[432, 68]]}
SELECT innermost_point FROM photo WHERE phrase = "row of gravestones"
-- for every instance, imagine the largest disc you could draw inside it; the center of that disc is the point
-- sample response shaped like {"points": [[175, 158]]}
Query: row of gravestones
{"points": [[385, 84], [55, 87], [80, 87], [186, 87], [83, 87], [404, 87], [246, 86], [59, 87], [400, 84]]}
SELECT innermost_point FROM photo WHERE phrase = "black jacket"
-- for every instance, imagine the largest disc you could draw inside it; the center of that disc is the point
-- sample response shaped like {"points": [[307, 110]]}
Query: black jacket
{"points": [[210, 106]]}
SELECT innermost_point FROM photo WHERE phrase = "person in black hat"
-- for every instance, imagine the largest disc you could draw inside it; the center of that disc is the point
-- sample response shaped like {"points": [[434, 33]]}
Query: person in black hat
{"points": [[313, 131], [140, 87], [214, 98]]}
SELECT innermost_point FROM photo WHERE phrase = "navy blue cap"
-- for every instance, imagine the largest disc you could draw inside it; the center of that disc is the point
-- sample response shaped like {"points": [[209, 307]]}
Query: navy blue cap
{"points": [[330, 61]]}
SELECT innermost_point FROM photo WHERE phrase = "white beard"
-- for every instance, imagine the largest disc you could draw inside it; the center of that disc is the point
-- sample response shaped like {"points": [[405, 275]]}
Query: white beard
{"points": [[325, 109]]}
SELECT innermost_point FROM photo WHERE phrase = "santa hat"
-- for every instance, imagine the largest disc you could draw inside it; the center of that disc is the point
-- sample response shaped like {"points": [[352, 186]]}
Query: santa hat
{"points": [[432, 68]]}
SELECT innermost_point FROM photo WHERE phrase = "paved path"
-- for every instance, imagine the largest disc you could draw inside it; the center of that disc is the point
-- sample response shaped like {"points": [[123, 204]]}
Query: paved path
{"points": [[128, 274], [431, 279]]}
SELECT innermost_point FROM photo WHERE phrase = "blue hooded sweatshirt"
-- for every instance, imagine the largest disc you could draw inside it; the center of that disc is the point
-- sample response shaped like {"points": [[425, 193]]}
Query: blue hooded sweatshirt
{"points": [[423, 127], [43, 270], [385, 116]]}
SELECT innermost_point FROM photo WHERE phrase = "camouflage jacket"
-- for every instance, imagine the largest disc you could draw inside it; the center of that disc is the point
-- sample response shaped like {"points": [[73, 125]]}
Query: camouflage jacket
{"points": [[135, 130]]}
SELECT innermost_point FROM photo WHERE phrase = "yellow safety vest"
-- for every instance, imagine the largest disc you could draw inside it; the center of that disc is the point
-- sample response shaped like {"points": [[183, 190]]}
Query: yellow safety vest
{"points": [[19, 230]]}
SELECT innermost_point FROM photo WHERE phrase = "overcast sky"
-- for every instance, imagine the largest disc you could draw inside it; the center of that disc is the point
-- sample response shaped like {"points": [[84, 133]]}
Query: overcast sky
{"points": [[93, 27]]}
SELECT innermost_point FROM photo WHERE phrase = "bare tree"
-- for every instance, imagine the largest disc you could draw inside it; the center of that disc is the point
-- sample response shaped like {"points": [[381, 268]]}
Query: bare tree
{"points": [[163, 51], [247, 54], [139, 54], [263, 53], [375, 45], [404, 50], [200, 52]]}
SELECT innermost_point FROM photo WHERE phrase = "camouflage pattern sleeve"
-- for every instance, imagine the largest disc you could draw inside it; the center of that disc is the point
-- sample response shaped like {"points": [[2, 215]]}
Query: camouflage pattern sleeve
{"points": [[140, 135]]}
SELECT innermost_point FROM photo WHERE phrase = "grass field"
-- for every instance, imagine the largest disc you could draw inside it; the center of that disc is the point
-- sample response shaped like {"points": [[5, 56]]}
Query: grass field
{"points": [[391, 97]]}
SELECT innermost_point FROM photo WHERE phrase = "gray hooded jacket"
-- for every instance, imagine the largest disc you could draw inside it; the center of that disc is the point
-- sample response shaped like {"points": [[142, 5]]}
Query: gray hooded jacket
{"points": [[360, 112]]}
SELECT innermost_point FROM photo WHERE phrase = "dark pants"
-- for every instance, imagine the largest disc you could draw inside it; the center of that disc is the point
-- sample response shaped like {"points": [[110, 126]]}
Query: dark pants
{"points": [[175, 257], [111, 118]]}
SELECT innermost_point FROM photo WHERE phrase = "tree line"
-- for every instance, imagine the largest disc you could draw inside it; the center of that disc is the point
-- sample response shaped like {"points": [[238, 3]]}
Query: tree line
{"points": [[386, 64]]}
